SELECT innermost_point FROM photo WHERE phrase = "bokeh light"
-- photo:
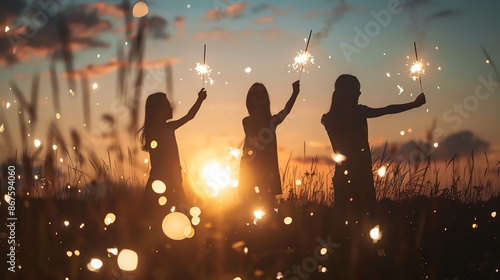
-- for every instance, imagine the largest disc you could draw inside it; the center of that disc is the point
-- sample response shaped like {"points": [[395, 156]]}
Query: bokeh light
{"points": [[175, 225], [127, 260], [140, 9], [158, 186]]}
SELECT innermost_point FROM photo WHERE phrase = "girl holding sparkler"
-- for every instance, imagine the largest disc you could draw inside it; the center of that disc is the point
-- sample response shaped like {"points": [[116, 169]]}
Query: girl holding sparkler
{"points": [[259, 181], [346, 125], [158, 138], [355, 200]]}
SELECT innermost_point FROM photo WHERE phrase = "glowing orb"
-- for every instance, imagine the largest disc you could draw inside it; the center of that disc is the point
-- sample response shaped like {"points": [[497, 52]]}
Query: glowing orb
{"points": [[109, 219], [381, 171], [298, 182], [195, 211], [195, 220], [158, 186], [248, 70], [37, 143], [140, 9], [287, 220], [127, 260], [153, 144], [162, 200], [375, 234], [338, 158], [175, 225], [96, 264], [493, 214]]}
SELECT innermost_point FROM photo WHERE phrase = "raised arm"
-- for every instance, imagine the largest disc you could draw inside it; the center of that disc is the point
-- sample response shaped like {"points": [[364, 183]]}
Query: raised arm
{"points": [[393, 109], [202, 95], [289, 104]]}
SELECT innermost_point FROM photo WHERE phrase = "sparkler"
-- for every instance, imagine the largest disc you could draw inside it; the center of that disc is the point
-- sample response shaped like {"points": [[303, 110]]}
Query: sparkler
{"points": [[417, 68], [203, 69], [303, 57]]}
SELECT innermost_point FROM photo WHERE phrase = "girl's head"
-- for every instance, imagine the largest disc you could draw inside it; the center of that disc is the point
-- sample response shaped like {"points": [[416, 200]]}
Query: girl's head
{"points": [[346, 95], [258, 100], [158, 111]]}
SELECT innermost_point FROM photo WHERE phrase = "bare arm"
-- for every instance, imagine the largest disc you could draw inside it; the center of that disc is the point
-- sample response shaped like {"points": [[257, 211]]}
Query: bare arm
{"points": [[394, 109], [288, 106], [202, 95]]}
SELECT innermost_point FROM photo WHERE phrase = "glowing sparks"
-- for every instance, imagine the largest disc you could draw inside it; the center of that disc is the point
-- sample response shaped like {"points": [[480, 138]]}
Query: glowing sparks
{"points": [[416, 70], [474, 225], [400, 89], [375, 234], [202, 69], [2, 128], [37, 143], [436, 144], [66, 223], [72, 92], [58, 116], [7, 28], [301, 60], [248, 70], [493, 214], [388, 74], [487, 61], [7, 105], [95, 85], [258, 214], [127, 260]]}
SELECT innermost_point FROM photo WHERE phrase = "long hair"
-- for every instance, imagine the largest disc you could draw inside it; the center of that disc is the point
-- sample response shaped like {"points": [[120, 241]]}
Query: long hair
{"points": [[252, 107], [345, 85], [152, 119]]}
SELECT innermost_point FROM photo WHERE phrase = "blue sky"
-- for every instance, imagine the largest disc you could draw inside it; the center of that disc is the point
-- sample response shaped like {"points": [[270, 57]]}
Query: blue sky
{"points": [[265, 36]]}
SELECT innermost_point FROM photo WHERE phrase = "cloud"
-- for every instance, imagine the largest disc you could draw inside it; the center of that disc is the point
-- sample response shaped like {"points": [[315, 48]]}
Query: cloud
{"points": [[233, 11], [459, 144], [82, 27], [336, 15], [98, 70], [264, 20], [275, 10], [104, 9]]}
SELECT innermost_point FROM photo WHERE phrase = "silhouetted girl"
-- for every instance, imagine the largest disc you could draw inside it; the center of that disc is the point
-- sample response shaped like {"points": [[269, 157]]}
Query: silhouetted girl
{"points": [[158, 138], [355, 200], [346, 125], [259, 180]]}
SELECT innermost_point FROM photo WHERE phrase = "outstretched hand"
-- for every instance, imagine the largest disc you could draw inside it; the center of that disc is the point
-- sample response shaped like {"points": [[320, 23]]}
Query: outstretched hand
{"points": [[202, 94], [296, 86], [420, 100]]}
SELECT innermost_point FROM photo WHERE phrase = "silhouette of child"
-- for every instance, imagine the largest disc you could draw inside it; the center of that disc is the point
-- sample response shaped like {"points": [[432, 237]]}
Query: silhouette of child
{"points": [[346, 125], [259, 179], [355, 200], [158, 138]]}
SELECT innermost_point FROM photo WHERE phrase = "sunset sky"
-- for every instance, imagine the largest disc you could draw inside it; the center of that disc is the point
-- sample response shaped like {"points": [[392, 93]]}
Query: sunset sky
{"points": [[458, 42]]}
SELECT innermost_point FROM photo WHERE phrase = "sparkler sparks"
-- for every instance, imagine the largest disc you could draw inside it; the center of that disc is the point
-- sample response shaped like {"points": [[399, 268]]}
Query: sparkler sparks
{"points": [[258, 214], [303, 57]]}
